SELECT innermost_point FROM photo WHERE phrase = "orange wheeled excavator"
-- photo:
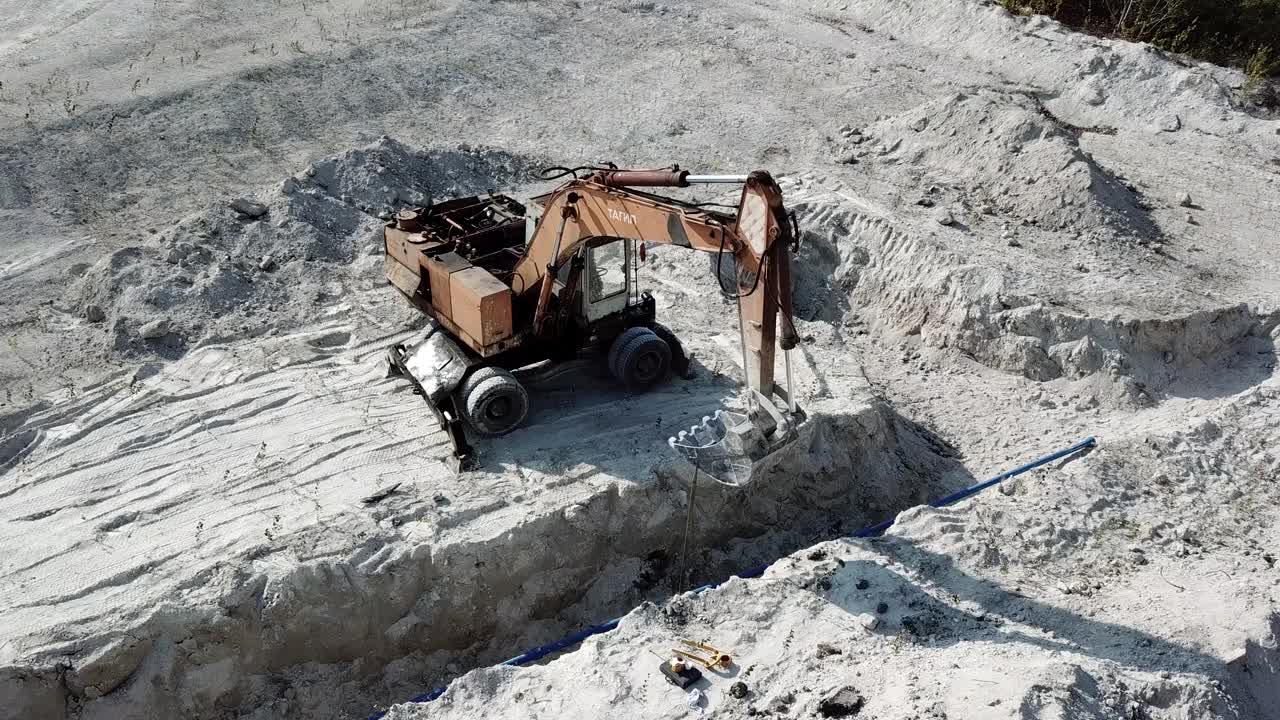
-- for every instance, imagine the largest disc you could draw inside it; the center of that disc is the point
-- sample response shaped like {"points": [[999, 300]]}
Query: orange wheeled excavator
{"points": [[510, 287]]}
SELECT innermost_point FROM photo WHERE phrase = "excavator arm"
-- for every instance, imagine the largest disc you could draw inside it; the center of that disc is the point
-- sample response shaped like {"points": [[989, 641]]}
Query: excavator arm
{"points": [[757, 240]]}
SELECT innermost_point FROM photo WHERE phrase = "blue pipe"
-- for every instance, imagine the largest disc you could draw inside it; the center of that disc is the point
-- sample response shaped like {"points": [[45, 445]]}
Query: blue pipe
{"points": [[955, 497], [544, 650], [872, 531]]}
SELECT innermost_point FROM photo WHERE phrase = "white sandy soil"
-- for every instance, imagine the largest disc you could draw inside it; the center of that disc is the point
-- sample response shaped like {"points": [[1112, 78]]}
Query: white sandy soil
{"points": [[1015, 236]]}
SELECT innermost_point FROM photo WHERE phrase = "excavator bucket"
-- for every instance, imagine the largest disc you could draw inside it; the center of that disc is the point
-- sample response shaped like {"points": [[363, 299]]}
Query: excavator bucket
{"points": [[733, 448]]}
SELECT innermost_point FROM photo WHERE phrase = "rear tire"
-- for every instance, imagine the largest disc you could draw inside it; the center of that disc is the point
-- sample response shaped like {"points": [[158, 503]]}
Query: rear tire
{"points": [[620, 343], [494, 402], [643, 362]]}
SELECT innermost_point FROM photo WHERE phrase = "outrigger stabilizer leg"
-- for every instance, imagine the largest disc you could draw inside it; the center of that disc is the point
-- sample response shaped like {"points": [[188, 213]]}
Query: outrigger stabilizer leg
{"points": [[445, 410]]}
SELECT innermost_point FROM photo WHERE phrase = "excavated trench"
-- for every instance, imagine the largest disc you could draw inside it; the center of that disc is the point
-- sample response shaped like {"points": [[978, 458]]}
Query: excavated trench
{"points": [[338, 639]]}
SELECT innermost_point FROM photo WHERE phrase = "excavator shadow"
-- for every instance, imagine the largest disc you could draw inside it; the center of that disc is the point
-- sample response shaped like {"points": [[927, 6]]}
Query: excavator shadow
{"points": [[582, 417]]}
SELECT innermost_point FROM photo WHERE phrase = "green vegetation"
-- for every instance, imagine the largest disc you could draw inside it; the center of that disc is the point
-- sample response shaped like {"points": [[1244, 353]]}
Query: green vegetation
{"points": [[1243, 33], [1261, 65]]}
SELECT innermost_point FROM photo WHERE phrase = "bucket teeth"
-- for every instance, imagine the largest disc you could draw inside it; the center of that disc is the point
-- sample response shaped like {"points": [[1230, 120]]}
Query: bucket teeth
{"points": [[732, 447], [705, 447]]}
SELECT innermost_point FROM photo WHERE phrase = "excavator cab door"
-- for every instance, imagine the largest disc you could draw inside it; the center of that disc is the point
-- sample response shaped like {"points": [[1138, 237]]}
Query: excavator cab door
{"points": [[607, 275]]}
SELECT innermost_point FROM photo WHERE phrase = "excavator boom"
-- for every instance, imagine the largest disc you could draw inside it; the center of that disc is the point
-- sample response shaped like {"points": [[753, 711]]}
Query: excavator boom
{"points": [[757, 242]]}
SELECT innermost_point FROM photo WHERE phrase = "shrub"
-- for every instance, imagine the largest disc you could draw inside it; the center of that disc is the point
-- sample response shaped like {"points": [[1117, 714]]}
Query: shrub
{"points": [[1261, 65], [1243, 33]]}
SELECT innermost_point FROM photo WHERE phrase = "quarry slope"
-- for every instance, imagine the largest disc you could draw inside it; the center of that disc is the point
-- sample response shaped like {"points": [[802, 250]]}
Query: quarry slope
{"points": [[213, 504]]}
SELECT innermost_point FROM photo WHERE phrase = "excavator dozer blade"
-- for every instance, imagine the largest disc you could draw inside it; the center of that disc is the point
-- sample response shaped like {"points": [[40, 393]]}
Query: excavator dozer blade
{"points": [[434, 366], [733, 448]]}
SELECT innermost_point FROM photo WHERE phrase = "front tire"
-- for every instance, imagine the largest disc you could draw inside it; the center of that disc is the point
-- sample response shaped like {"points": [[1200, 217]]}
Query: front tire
{"points": [[643, 361], [494, 402], [620, 344]]}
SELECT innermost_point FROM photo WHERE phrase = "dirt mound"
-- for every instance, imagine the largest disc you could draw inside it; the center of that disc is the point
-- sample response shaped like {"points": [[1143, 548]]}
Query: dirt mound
{"points": [[280, 258], [1225, 456], [902, 282], [1007, 155], [388, 174]]}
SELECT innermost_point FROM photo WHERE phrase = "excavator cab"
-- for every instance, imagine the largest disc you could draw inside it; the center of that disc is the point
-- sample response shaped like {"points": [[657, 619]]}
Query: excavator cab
{"points": [[514, 286], [608, 266], [608, 270]]}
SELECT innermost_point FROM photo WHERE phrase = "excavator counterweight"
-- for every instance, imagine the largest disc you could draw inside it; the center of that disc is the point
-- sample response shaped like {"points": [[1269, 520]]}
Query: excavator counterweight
{"points": [[515, 287]]}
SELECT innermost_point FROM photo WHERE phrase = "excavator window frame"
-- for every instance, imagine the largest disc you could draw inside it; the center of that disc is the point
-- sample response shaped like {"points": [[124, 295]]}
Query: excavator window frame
{"points": [[589, 310]]}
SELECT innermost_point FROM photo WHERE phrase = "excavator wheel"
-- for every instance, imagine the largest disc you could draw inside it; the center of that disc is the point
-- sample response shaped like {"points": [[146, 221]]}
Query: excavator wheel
{"points": [[620, 342], [644, 361], [493, 401]]}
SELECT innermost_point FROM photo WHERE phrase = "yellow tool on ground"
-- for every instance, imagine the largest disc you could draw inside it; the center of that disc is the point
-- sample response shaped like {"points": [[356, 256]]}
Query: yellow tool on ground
{"points": [[714, 659]]}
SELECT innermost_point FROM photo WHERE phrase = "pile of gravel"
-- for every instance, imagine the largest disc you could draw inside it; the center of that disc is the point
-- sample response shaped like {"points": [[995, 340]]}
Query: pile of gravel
{"points": [[277, 259], [1009, 157]]}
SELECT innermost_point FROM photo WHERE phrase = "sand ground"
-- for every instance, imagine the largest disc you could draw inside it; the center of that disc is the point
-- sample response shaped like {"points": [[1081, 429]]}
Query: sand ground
{"points": [[1015, 236]]}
